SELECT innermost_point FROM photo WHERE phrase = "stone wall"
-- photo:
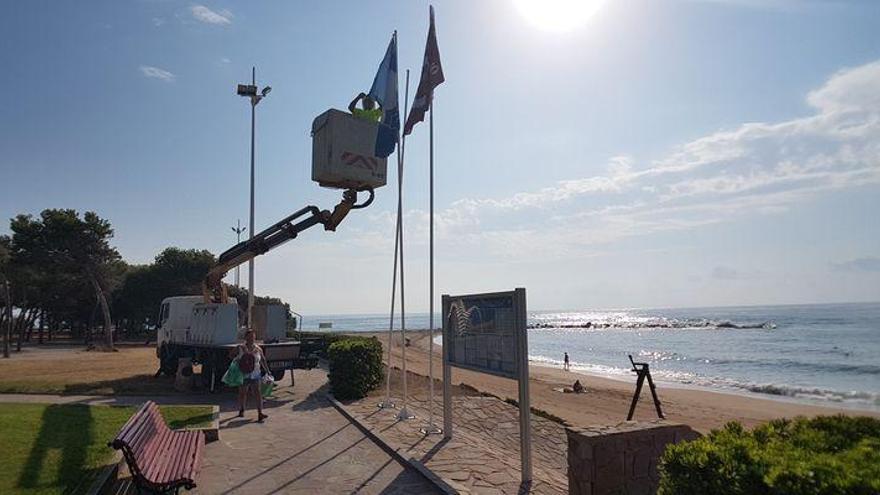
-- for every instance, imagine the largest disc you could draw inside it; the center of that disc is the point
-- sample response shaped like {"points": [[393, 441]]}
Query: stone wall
{"points": [[621, 459]]}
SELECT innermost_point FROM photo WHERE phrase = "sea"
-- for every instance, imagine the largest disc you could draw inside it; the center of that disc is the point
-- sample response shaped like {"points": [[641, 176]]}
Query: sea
{"points": [[816, 353]]}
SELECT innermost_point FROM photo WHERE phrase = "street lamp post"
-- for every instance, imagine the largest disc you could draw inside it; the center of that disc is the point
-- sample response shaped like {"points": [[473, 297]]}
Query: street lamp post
{"points": [[238, 229], [250, 91]]}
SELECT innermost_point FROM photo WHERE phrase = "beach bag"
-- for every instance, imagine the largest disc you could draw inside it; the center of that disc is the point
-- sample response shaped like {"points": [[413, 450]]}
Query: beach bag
{"points": [[233, 376], [246, 363], [267, 386]]}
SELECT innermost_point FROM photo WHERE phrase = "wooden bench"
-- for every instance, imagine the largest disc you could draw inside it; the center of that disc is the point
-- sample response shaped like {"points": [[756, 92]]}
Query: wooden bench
{"points": [[160, 459]]}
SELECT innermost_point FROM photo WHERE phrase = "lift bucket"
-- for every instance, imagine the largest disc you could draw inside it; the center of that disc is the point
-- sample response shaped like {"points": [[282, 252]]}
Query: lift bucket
{"points": [[343, 152]]}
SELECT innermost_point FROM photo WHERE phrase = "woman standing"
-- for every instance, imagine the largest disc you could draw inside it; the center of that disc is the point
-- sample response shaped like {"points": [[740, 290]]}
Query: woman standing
{"points": [[250, 362]]}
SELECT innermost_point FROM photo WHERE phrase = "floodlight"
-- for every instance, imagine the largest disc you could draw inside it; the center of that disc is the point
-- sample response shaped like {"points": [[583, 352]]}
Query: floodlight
{"points": [[247, 90], [266, 90]]}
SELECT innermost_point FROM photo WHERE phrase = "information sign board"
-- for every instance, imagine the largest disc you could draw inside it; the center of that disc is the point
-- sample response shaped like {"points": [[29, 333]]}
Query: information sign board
{"points": [[481, 331], [488, 333]]}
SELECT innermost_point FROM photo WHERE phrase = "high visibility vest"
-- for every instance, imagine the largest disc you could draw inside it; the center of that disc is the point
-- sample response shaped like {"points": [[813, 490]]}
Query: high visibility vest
{"points": [[373, 115]]}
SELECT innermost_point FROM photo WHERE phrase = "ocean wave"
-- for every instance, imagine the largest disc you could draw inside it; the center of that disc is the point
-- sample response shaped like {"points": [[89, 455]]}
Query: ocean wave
{"points": [[598, 369], [651, 324], [789, 364], [814, 393]]}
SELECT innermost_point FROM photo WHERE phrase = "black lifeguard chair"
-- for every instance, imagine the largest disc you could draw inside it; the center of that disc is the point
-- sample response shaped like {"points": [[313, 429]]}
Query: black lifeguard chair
{"points": [[643, 371]]}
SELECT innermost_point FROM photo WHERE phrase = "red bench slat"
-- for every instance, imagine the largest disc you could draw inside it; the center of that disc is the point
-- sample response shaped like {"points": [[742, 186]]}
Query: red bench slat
{"points": [[169, 465], [156, 456], [181, 456], [139, 435], [132, 426]]}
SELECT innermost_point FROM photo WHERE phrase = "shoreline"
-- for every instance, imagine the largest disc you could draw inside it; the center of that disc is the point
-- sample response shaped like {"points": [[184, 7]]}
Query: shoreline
{"points": [[855, 405], [608, 398]]}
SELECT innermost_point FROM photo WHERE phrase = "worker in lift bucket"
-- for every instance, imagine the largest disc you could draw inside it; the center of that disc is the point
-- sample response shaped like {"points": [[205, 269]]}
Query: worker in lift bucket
{"points": [[251, 361], [370, 110]]}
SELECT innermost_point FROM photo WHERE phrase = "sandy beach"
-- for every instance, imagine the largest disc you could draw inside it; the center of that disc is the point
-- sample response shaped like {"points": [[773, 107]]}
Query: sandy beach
{"points": [[607, 400]]}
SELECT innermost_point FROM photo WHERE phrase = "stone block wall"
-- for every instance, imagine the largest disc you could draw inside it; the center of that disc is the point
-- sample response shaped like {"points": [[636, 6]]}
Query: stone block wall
{"points": [[621, 459]]}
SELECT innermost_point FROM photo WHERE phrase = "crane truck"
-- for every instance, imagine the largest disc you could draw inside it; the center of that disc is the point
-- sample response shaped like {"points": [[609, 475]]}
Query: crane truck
{"points": [[206, 328]]}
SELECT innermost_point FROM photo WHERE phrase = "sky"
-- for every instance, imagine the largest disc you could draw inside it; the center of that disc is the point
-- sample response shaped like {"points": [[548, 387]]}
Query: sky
{"points": [[674, 153]]}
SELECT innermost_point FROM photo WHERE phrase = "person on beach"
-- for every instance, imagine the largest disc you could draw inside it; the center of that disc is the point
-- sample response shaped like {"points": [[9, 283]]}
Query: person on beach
{"points": [[251, 362], [565, 364], [577, 387]]}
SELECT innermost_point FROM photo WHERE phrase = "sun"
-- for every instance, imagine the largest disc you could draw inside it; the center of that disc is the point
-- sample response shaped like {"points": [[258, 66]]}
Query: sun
{"points": [[558, 15]]}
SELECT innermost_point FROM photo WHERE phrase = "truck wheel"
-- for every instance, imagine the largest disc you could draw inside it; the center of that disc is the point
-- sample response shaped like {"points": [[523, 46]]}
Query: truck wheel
{"points": [[167, 361], [207, 374], [221, 364], [278, 375]]}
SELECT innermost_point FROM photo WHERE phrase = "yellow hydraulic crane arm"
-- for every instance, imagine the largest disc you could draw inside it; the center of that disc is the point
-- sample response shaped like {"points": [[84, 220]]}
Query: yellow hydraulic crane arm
{"points": [[272, 237]]}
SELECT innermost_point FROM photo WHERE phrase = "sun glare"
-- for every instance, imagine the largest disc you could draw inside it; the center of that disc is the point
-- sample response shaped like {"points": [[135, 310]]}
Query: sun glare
{"points": [[558, 15]]}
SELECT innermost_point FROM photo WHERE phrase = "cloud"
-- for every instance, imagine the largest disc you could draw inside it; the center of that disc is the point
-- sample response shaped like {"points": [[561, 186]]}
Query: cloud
{"points": [[158, 21], [157, 73], [206, 15], [755, 168], [866, 264], [722, 272]]}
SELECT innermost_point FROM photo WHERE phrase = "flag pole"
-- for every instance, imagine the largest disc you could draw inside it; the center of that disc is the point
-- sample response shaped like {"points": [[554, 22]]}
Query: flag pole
{"points": [[404, 414], [431, 429], [387, 403]]}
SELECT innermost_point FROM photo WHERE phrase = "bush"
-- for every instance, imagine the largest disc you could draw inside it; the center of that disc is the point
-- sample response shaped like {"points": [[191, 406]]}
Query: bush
{"points": [[826, 455], [319, 342], [355, 367]]}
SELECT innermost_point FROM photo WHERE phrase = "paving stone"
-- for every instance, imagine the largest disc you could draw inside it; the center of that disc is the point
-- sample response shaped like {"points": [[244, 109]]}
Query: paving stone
{"points": [[483, 455], [306, 446]]}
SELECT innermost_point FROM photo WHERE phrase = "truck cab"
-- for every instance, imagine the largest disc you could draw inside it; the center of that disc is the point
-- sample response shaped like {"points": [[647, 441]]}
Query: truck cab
{"points": [[175, 318]]}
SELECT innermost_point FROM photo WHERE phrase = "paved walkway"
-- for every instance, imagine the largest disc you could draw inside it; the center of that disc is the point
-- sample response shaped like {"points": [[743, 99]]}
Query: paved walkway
{"points": [[483, 455], [306, 445]]}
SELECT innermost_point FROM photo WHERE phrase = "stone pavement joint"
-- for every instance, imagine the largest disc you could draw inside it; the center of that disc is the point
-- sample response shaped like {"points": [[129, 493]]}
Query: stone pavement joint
{"points": [[441, 485], [483, 454], [306, 446]]}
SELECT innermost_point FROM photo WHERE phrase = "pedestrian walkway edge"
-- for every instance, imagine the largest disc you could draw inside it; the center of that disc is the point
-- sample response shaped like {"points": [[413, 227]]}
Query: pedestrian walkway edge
{"points": [[429, 475]]}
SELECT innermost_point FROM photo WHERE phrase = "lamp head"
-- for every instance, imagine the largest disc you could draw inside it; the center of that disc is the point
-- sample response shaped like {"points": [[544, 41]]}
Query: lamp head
{"points": [[266, 90], [246, 90]]}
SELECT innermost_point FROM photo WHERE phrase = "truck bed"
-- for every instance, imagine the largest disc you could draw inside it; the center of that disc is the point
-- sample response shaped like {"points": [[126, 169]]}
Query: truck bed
{"points": [[284, 343]]}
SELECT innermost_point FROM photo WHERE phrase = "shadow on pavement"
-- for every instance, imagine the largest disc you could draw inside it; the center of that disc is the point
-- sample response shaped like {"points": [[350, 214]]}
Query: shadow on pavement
{"points": [[317, 399], [281, 489], [292, 456]]}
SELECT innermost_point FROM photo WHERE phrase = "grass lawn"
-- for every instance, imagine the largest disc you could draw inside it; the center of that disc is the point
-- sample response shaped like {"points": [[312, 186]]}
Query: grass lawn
{"points": [[60, 448]]}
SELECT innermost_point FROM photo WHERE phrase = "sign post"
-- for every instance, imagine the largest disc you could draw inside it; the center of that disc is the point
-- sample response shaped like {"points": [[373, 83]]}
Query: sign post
{"points": [[488, 333]]}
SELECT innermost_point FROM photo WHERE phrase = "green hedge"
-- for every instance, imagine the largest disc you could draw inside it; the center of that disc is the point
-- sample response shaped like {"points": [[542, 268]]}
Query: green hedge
{"points": [[320, 342], [826, 455], [355, 367]]}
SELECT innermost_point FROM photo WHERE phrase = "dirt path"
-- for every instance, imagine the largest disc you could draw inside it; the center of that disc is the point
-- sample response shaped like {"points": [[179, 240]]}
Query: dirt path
{"points": [[65, 369]]}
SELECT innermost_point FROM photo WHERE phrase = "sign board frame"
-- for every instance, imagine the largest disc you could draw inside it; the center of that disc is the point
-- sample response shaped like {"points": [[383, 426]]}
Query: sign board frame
{"points": [[520, 361], [479, 348]]}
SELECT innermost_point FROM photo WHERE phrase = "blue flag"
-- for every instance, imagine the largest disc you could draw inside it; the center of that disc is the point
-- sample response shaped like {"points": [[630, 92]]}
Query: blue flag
{"points": [[384, 91]]}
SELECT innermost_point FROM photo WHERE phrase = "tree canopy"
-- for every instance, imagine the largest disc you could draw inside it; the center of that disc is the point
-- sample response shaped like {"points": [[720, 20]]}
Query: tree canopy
{"points": [[59, 245], [174, 272], [63, 271]]}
